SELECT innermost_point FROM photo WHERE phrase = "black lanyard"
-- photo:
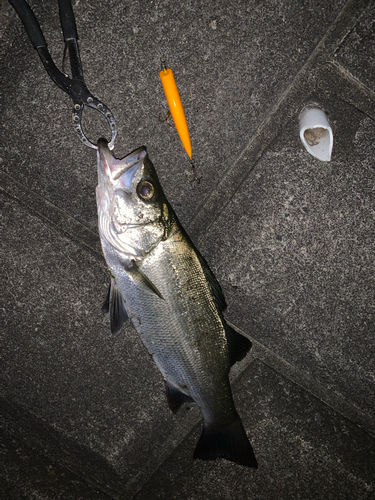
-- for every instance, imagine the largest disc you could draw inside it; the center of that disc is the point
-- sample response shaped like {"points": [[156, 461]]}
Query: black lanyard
{"points": [[75, 87]]}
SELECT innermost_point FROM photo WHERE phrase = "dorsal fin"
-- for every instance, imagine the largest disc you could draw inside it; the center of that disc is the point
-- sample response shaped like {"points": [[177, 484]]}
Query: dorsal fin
{"points": [[214, 284], [238, 345]]}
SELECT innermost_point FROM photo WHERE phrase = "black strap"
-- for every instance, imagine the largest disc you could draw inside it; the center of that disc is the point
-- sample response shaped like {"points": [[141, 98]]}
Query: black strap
{"points": [[29, 21], [67, 19]]}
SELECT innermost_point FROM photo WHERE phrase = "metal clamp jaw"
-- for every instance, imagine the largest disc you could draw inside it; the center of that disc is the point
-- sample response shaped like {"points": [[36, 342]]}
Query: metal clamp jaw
{"points": [[81, 97], [93, 103]]}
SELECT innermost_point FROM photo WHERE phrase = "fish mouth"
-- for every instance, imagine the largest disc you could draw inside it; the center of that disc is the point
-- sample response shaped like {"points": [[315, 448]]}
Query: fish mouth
{"points": [[120, 173]]}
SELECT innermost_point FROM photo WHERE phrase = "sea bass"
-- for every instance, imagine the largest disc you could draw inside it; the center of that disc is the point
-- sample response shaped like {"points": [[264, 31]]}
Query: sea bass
{"points": [[162, 283]]}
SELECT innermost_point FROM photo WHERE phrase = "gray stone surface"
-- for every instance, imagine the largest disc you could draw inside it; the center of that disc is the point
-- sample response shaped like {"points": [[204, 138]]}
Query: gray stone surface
{"points": [[232, 63], [58, 359], [296, 245], [304, 450], [357, 52], [26, 475], [83, 414]]}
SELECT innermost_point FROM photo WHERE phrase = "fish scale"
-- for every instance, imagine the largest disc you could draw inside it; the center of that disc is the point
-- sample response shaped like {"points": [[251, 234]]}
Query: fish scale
{"points": [[165, 287], [169, 342]]}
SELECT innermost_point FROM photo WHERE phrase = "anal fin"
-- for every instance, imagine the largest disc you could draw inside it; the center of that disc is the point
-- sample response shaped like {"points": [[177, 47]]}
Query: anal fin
{"points": [[175, 397]]}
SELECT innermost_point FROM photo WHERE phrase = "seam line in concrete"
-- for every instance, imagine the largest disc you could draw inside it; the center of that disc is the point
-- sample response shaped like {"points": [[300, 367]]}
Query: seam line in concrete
{"points": [[287, 106], [345, 73], [46, 440], [328, 397]]}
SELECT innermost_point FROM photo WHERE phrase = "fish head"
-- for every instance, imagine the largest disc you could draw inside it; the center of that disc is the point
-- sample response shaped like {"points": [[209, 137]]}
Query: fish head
{"points": [[131, 204]]}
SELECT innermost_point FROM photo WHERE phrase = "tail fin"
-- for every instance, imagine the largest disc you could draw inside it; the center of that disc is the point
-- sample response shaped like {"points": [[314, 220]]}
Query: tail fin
{"points": [[229, 441]]}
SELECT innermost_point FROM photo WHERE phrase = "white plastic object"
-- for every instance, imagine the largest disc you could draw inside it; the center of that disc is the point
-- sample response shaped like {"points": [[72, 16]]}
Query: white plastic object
{"points": [[315, 132]]}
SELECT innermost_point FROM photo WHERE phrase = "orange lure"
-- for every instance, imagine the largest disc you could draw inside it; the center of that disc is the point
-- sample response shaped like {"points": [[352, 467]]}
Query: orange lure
{"points": [[175, 106]]}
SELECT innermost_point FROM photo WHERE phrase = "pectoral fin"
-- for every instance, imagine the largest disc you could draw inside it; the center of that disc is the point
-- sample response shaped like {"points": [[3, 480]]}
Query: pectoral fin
{"points": [[115, 305], [135, 272], [214, 284], [105, 306]]}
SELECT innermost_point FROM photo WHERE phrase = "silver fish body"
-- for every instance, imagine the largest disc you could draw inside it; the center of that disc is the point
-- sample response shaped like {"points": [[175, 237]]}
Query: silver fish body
{"points": [[162, 283]]}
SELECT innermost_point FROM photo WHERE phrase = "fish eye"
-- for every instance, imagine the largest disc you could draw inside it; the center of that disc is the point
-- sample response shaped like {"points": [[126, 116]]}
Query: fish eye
{"points": [[146, 190]]}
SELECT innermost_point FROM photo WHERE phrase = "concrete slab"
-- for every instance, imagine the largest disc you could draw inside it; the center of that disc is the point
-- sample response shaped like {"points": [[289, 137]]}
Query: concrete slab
{"points": [[304, 449], [321, 74]]}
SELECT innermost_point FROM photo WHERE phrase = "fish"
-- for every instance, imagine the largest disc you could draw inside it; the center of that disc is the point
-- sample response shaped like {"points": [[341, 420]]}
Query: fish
{"points": [[161, 282]]}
